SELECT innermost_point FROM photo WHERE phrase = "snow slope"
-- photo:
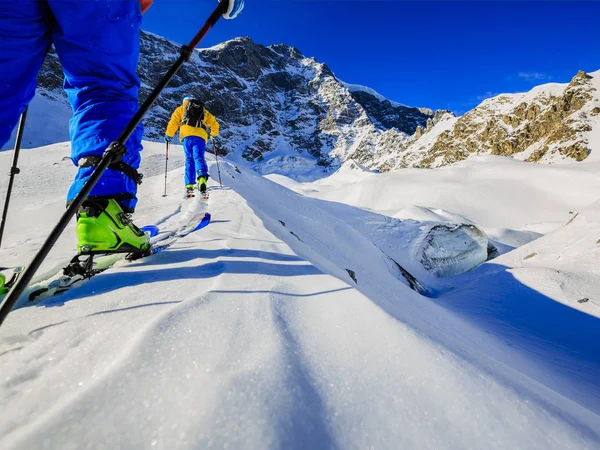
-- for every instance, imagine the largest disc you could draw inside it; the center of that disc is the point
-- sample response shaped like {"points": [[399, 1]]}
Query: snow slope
{"points": [[252, 333], [488, 298], [511, 200]]}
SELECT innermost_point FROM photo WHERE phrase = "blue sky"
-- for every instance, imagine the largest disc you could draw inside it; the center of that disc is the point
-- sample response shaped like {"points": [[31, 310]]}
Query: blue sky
{"points": [[442, 55]]}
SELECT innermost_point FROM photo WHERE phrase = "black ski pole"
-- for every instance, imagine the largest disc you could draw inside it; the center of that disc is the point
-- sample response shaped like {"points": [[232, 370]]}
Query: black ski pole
{"points": [[113, 153], [166, 165], [217, 158], [14, 170]]}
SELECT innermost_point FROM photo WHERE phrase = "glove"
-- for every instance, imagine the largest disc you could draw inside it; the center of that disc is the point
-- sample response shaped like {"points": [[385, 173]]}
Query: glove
{"points": [[168, 138], [145, 4], [235, 7]]}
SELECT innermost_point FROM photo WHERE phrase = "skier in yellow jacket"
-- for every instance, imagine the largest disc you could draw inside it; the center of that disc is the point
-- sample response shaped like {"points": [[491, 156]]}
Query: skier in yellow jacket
{"points": [[194, 123]]}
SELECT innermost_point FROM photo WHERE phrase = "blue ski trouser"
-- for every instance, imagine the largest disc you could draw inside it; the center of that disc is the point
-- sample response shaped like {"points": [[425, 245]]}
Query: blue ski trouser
{"points": [[98, 46], [195, 163]]}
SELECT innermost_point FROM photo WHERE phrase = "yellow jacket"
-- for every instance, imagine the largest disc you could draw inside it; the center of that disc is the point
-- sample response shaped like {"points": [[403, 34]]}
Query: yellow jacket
{"points": [[187, 130]]}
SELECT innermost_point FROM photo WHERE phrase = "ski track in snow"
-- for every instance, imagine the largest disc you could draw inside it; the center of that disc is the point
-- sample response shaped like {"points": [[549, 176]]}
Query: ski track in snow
{"points": [[251, 333]]}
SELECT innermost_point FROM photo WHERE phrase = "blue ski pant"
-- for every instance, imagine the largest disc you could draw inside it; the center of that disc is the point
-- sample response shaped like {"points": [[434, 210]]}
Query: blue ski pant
{"points": [[195, 163], [98, 46]]}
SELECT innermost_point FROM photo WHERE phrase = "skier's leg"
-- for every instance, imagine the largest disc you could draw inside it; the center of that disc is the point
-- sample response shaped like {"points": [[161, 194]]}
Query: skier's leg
{"points": [[201, 166], [199, 151], [190, 168], [98, 45], [25, 31]]}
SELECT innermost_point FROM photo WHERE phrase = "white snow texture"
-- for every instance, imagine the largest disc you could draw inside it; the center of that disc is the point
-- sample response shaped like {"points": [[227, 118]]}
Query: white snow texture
{"points": [[290, 322]]}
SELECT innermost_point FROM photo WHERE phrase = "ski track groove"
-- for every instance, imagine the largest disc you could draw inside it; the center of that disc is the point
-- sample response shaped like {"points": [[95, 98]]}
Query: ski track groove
{"points": [[306, 426]]}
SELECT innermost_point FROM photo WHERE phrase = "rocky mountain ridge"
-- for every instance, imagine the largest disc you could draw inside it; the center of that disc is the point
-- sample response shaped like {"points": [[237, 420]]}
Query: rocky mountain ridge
{"points": [[551, 123], [278, 109], [286, 113]]}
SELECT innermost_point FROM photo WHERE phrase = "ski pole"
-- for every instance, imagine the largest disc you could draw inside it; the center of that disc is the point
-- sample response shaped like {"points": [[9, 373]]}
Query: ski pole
{"points": [[217, 158], [166, 165], [113, 154], [14, 170]]}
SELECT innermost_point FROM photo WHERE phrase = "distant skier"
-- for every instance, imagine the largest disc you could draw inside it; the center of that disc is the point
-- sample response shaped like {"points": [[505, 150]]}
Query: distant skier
{"points": [[98, 44], [194, 123]]}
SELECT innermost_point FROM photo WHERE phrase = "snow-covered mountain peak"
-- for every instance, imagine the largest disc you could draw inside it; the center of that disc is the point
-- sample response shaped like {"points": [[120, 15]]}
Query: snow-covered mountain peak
{"points": [[285, 112], [554, 122], [368, 90], [280, 111]]}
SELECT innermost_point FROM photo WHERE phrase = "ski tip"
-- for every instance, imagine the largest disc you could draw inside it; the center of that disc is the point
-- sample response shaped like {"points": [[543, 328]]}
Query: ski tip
{"points": [[151, 230], [205, 221]]}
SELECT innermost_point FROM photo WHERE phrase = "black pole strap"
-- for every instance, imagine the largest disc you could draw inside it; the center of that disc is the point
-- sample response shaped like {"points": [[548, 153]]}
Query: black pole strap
{"points": [[14, 170], [119, 166], [113, 154]]}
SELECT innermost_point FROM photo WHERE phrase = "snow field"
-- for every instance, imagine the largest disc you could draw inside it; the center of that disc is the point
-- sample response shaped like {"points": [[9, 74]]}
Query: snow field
{"points": [[244, 335]]}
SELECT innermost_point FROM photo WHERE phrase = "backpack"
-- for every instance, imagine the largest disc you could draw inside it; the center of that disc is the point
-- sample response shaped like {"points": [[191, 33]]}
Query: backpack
{"points": [[193, 114]]}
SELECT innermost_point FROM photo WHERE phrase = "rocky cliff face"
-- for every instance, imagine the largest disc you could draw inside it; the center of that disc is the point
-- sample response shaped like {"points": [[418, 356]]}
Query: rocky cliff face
{"points": [[386, 114], [279, 110], [286, 113], [550, 123]]}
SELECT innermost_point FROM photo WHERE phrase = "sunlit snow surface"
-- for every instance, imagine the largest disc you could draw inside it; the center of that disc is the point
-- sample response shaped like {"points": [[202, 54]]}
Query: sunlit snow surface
{"points": [[287, 323]]}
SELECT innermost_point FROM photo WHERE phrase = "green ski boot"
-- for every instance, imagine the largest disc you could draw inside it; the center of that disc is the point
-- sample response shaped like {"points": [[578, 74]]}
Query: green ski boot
{"points": [[8, 278], [103, 227], [189, 190], [3, 288], [202, 185]]}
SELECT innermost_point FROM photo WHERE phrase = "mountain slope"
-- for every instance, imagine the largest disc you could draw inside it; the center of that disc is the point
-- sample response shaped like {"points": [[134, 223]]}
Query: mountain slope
{"points": [[285, 113], [551, 123], [252, 334], [279, 110]]}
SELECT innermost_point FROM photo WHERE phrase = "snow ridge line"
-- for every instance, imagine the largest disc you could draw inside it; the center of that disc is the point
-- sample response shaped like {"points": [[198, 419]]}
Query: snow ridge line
{"points": [[287, 211]]}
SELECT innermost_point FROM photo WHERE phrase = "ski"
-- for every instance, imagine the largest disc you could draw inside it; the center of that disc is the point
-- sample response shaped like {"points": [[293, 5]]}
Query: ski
{"points": [[83, 267]]}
